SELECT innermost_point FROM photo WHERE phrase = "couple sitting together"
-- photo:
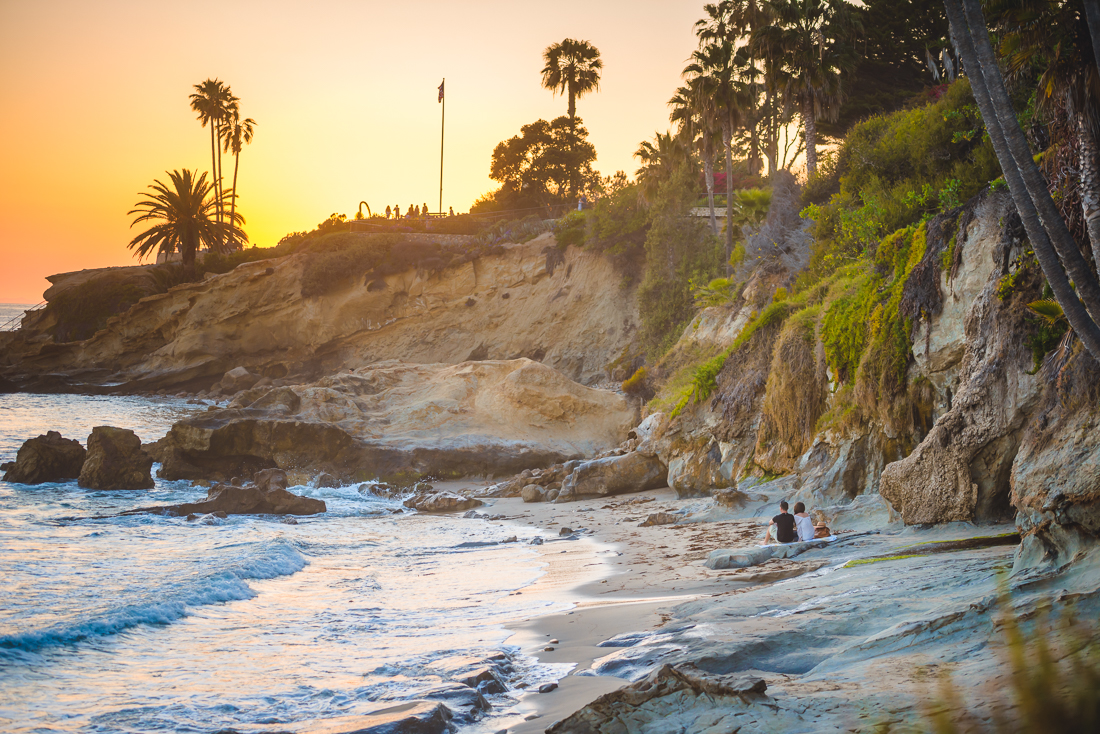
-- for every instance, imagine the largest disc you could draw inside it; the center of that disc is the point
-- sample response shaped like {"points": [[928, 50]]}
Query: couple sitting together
{"points": [[793, 528]]}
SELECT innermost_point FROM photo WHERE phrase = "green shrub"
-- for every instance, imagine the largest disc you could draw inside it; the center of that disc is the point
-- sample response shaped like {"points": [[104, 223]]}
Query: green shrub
{"points": [[83, 310], [570, 229], [638, 384]]}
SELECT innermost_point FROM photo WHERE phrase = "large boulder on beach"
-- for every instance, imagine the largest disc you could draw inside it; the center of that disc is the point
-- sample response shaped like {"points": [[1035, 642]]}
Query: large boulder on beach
{"points": [[400, 423], [633, 472], [116, 461], [265, 495], [48, 458], [441, 502], [680, 698]]}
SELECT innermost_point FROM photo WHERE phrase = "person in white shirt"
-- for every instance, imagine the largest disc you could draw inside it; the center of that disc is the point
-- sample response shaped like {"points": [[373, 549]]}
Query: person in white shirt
{"points": [[803, 523]]}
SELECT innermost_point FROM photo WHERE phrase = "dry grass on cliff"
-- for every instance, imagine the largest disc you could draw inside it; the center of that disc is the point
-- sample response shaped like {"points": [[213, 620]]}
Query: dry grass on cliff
{"points": [[796, 392]]}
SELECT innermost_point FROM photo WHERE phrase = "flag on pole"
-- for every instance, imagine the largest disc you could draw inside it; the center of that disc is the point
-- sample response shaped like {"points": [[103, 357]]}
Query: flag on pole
{"points": [[441, 89]]}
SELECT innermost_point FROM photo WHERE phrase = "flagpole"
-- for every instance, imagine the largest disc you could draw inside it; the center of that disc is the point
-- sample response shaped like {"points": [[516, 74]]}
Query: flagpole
{"points": [[442, 120]]}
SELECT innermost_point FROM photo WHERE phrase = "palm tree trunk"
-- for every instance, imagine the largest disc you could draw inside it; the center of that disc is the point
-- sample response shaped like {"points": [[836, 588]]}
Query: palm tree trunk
{"points": [[810, 125], [771, 134], [233, 206], [1090, 185], [727, 139], [708, 171], [1092, 16], [1035, 185], [1078, 318], [220, 190]]}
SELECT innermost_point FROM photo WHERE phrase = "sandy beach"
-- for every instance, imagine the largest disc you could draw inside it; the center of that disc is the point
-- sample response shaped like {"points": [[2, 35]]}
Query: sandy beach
{"points": [[650, 583]]}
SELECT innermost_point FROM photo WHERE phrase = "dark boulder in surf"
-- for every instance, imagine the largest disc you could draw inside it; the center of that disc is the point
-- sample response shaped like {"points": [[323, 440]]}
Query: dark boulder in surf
{"points": [[265, 495], [116, 461], [49, 458]]}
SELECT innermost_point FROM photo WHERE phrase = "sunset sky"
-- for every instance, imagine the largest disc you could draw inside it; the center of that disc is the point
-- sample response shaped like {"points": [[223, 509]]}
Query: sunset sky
{"points": [[95, 106]]}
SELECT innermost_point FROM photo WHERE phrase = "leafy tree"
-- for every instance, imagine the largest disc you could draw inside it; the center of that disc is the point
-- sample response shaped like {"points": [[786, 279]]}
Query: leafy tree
{"points": [[239, 134], [186, 212], [572, 67], [545, 165], [895, 39]]}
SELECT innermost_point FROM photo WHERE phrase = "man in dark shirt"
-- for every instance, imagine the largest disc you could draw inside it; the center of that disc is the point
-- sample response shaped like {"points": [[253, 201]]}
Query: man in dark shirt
{"points": [[784, 525]]}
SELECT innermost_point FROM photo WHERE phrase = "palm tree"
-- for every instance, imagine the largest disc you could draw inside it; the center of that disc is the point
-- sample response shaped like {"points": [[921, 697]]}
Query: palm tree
{"points": [[659, 159], [572, 67], [185, 211], [730, 22], [1049, 37], [1054, 247], [714, 69], [809, 36], [239, 134], [215, 104], [696, 115]]}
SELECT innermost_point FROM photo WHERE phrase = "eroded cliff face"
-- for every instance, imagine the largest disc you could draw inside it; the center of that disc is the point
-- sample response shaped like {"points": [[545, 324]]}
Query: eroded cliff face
{"points": [[987, 440], [566, 310]]}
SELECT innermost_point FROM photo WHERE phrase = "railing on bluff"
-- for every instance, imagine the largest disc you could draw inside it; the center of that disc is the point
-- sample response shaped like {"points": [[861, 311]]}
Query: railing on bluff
{"points": [[15, 322]]}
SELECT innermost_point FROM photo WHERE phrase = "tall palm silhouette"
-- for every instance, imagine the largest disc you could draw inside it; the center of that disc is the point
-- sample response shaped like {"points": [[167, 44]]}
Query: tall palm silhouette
{"points": [[714, 71], [238, 135], [810, 36], [573, 68], [215, 105], [697, 116], [185, 212], [659, 159]]}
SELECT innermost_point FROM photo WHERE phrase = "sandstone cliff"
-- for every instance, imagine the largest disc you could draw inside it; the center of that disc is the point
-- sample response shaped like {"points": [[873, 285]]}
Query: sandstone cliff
{"points": [[973, 434], [566, 310]]}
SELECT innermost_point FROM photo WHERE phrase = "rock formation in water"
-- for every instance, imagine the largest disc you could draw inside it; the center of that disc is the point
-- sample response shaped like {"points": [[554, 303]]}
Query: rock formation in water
{"points": [[115, 461], [48, 458], [266, 495]]}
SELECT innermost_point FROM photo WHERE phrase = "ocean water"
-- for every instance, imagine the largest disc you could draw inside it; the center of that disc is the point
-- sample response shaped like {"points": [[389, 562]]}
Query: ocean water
{"points": [[150, 623], [11, 314]]}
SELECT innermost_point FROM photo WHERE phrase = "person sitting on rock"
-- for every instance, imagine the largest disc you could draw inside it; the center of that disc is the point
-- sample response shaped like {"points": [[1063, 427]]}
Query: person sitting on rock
{"points": [[803, 523], [784, 525]]}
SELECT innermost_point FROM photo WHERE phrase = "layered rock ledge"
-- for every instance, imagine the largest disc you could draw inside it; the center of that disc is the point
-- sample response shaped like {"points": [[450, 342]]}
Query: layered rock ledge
{"points": [[402, 422]]}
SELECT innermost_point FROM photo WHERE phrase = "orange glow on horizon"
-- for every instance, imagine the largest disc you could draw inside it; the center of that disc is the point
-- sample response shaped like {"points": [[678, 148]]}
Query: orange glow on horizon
{"points": [[344, 94]]}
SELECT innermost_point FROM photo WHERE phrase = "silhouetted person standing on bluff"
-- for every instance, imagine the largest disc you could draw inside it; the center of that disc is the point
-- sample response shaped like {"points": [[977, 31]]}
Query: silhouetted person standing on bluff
{"points": [[388, 211], [397, 212]]}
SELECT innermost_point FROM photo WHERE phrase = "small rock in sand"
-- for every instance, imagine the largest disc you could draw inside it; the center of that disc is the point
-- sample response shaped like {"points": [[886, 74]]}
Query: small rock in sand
{"points": [[565, 531], [548, 687]]}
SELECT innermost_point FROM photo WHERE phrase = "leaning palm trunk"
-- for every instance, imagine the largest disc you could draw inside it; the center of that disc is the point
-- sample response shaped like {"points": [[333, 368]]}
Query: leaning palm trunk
{"points": [[1035, 185], [1001, 124], [1090, 185], [727, 140], [708, 172], [219, 188], [810, 125]]}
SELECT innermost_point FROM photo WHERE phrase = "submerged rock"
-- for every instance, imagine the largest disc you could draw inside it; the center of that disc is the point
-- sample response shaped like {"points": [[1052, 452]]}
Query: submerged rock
{"points": [[48, 458], [116, 461], [441, 502], [266, 495]]}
